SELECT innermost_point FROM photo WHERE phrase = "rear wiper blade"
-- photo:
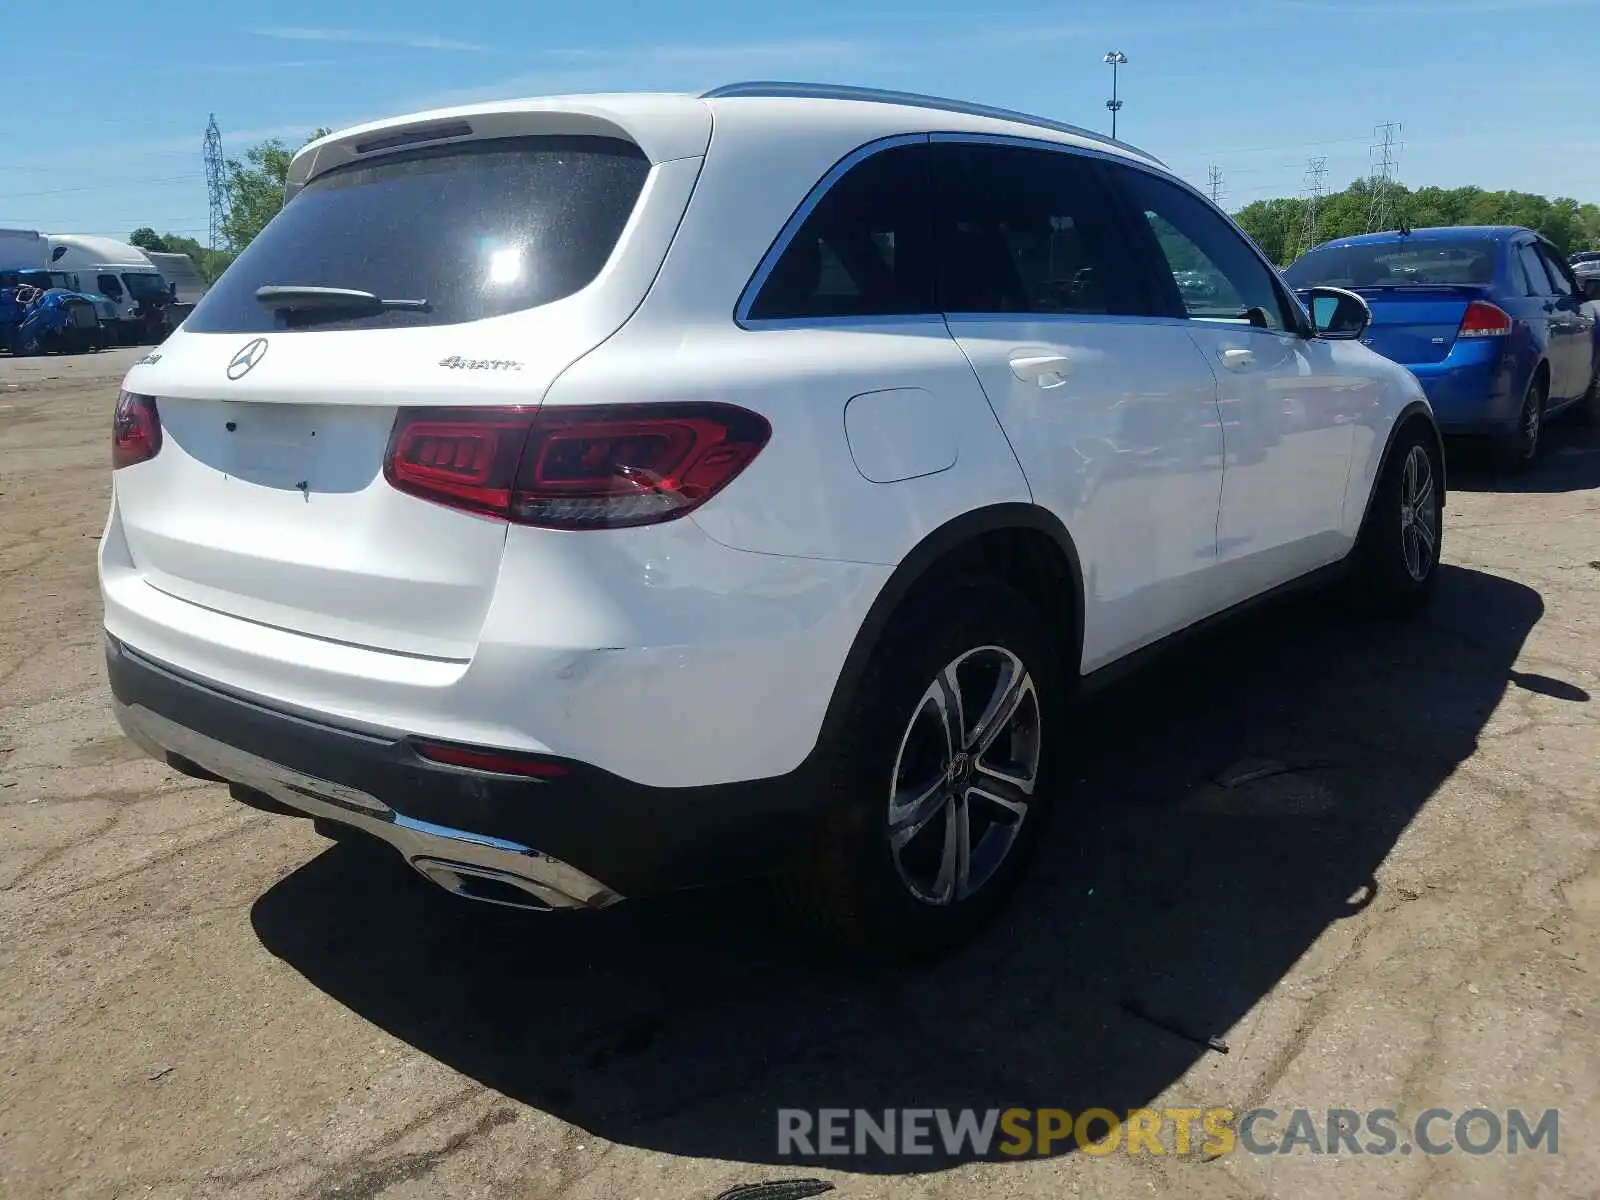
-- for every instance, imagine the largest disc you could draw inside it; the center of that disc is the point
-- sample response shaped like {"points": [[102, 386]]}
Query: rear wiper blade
{"points": [[299, 298]]}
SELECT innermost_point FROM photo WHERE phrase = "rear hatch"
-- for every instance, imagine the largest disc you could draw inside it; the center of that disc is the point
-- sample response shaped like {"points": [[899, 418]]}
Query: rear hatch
{"points": [[267, 498], [1417, 324]]}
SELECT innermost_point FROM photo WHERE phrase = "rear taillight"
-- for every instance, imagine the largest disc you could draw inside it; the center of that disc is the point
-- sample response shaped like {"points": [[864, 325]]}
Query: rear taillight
{"points": [[135, 430], [1483, 319], [602, 467]]}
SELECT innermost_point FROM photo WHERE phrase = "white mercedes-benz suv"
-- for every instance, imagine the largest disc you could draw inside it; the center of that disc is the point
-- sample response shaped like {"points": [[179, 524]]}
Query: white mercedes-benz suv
{"points": [[595, 495]]}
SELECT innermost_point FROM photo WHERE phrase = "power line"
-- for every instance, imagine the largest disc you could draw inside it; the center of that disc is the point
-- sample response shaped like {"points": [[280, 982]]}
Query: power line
{"points": [[96, 187], [1381, 213], [216, 197]]}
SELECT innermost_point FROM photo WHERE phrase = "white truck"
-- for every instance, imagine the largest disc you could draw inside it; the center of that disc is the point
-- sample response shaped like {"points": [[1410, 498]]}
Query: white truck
{"points": [[22, 249], [124, 275]]}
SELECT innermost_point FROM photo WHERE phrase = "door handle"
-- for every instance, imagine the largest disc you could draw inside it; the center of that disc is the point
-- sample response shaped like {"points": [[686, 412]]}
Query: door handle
{"points": [[1047, 370], [1236, 359]]}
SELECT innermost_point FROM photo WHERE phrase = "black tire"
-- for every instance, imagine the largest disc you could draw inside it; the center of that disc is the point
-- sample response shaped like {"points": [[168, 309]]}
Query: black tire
{"points": [[1588, 409], [1394, 567], [854, 891], [1519, 449]]}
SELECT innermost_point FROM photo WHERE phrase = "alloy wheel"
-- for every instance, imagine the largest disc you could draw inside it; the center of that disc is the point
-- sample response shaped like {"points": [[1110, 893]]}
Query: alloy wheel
{"points": [[964, 775], [1419, 514], [1532, 424]]}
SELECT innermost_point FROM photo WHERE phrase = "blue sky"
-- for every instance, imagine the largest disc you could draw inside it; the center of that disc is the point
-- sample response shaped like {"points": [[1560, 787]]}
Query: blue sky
{"points": [[1500, 93]]}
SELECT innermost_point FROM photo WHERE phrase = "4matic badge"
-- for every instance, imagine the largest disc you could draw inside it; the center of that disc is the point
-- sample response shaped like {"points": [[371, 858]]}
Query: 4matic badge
{"points": [[247, 357], [456, 363]]}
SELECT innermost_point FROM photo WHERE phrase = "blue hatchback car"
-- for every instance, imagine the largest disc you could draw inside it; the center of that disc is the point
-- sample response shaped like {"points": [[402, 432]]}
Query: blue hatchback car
{"points": [[1490, 319]]}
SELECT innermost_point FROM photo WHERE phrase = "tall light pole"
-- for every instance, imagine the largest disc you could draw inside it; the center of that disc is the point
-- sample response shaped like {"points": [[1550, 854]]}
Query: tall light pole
{"points": [[1114, 59]]}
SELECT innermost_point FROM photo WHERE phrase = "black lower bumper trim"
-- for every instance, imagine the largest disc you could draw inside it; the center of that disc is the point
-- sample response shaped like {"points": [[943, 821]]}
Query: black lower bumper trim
{"points": [[634, 838]]}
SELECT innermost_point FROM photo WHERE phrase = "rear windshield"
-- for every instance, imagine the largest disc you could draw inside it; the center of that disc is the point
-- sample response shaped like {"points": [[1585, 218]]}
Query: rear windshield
{"points": [[1395, 264], [477, 230]]}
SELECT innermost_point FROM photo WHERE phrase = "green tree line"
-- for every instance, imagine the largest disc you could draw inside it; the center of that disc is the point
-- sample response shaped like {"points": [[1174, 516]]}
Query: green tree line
{"points": [[253, 194], [1278, 226]]}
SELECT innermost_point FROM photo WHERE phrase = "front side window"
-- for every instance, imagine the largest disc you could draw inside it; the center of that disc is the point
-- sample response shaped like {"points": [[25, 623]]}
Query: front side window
{"points": [[109, 286], [863, 250], [1021, 230], [1216, 274]]}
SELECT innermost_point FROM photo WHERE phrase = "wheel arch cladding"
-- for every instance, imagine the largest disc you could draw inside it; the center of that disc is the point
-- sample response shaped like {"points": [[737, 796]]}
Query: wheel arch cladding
{"points": [[1020, 544], [1415, 415]]}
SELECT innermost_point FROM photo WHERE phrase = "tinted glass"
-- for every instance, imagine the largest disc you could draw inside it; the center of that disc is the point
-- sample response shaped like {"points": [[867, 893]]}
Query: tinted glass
{"points": [[1562, 282], [1537, 282], [1397, 264], [1217, 274], [863, 250], [1026, 231], [109, 286], [477, 230], [146, 287]]}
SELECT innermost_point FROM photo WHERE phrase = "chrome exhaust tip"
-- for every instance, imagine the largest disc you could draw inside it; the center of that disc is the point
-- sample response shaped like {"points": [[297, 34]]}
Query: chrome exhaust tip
{"points": [[490, 886]]}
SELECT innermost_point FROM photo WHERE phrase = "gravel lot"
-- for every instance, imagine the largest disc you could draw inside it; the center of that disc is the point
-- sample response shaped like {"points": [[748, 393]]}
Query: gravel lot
{"points": [[1363, 855]]}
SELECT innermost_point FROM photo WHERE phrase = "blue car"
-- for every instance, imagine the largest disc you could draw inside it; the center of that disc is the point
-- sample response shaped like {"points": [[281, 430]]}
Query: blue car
{"points": [[1490, 319]]}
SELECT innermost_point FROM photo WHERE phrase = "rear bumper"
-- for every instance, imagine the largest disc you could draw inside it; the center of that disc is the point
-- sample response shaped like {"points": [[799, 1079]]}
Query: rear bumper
{"points": [[583, 840], [1471, 390]]}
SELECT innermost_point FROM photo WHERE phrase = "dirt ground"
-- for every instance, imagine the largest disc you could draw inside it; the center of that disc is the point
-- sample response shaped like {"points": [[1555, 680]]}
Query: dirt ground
{"points": [[1364, 855]]}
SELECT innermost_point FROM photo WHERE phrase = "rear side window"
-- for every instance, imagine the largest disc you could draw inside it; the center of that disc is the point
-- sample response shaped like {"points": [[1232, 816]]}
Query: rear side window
{"points": [[1537, 283], [478, 230], [864, 250], [1562, 281], [1026, 231]]}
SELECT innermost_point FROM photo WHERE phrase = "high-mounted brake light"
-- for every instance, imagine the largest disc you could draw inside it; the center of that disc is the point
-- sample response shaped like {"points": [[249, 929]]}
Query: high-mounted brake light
{"points": [[601, 467], [1483, 319], [135, 430]]}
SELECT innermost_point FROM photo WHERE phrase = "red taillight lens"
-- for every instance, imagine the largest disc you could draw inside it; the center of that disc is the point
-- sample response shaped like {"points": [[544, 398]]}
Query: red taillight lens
{"points": [[603, 467], [135, 430], [501, 762], [1483, 319]]}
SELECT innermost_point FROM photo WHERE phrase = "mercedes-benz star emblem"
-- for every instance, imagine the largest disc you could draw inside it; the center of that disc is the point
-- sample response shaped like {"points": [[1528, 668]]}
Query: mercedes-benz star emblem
{"points": [[248, 356]]}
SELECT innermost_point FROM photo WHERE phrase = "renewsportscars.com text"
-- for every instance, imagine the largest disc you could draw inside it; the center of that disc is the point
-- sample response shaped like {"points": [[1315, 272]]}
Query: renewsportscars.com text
{"points": [[1212, 1132]]}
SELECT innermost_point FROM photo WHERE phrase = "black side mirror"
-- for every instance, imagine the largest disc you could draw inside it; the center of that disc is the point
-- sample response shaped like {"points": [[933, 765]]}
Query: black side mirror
{"points": [[1338, 315]]}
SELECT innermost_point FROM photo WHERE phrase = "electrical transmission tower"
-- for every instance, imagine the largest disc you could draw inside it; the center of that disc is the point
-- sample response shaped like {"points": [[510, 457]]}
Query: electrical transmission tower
{"points": [[1214, 184], [215, 194], [1312, 188], [1386, 159]]}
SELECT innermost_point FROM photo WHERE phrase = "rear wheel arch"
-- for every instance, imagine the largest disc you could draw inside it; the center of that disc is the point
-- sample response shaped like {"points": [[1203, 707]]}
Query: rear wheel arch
{"points": [[1021, 545]]}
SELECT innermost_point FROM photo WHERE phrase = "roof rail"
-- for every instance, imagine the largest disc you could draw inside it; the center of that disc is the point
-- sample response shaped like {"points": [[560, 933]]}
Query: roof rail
{"points": [[830, 91]]}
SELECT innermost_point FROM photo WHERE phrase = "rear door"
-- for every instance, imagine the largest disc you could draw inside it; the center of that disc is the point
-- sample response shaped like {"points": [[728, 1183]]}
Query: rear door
{"points": [[1113, 416], [1571, 328], [1287, 413], [268, 499]]}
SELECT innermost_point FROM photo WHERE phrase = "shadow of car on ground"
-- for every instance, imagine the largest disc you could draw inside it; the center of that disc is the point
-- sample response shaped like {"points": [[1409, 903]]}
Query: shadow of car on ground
{"points": [[1224, 809]]}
